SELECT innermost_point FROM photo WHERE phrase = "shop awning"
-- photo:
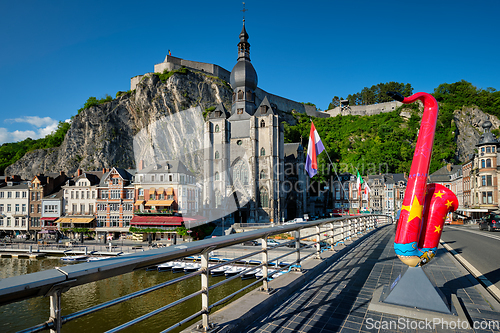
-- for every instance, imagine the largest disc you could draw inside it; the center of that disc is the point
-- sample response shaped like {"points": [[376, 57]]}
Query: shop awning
{"points": [[477, 210], [139, 202], [159, 203], [170, 191], [49, 218], [75, 220], [157, 220]]}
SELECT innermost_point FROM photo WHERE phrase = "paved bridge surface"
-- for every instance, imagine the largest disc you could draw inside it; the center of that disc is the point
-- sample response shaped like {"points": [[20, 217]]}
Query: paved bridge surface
{"points": [[337, 299]]}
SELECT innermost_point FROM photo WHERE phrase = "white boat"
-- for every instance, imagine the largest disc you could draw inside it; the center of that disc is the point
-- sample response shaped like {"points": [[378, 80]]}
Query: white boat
{"points": [[75, 258], [249, 274], [220, 271], [234, 270], [270, 273], [191, 267], [166, 266], [178, 267]]}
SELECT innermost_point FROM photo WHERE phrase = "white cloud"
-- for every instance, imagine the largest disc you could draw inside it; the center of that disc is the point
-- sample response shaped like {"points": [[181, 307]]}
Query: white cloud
{"points": [[43, 126], [35, 121]]}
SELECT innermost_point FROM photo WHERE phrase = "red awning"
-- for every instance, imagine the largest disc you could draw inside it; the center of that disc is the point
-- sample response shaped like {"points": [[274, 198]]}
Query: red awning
{"points": [[49, 218], [157, 220]]}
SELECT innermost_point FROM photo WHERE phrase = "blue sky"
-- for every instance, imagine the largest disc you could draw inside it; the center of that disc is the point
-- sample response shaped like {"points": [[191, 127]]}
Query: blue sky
{"points": [[56, 54]]}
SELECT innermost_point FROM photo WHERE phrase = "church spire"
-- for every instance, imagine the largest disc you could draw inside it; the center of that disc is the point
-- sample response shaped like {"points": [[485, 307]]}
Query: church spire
{"points": [[243, 45]]}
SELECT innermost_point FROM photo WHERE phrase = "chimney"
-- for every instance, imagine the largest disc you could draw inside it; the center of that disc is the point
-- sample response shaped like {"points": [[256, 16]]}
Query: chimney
{"points": [[448, 167], [79, 172], [7, 178], [103, 170], [141, 164], [61, 173]]}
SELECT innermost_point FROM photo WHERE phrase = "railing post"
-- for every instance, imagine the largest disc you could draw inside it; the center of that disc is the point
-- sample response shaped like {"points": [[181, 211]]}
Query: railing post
{"points": [[332, 236], [265, 271], [318, 245], [55, 311], [297, 247], [204, 288]]}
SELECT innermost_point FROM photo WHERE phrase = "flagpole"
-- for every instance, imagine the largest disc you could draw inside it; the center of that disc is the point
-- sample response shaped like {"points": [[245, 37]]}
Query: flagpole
{"points": [[336, 173]]}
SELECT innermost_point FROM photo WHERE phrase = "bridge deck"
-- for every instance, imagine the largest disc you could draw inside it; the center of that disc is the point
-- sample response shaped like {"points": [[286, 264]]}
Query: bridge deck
{"points": [[337, 300]]}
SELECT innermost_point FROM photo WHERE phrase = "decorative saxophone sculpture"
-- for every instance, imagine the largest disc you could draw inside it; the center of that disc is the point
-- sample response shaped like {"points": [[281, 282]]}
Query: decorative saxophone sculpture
{"points": [[425, 206]]}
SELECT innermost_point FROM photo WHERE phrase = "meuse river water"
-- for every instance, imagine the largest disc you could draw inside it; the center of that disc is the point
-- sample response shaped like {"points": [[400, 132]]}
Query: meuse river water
{"points": [[27, 313]]}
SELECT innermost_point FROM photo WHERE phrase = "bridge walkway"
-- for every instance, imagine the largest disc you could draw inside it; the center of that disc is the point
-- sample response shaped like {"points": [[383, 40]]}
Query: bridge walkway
{"points": [[337, 300]]}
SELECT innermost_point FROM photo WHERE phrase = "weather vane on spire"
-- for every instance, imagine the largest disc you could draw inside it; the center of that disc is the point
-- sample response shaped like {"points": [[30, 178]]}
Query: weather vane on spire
{"points": [[244, 10]]}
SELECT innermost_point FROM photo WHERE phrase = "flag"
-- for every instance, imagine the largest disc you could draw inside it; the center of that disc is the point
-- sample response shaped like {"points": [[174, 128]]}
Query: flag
{"points": [[360, 182], [367, 192], [169, 53], [314, 148]]}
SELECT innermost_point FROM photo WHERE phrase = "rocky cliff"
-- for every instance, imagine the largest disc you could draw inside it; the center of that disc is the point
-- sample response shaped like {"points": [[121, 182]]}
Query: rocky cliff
{"points": [[112, 134], [469, 130]]}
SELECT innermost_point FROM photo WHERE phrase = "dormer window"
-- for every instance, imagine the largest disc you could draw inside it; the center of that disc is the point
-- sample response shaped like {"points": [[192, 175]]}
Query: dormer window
{"points": [[263, 109], [218, 113]]}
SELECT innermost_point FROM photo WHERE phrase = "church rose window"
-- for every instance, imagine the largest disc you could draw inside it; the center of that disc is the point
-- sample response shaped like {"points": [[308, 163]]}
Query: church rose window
{"points": [[239, 142]]}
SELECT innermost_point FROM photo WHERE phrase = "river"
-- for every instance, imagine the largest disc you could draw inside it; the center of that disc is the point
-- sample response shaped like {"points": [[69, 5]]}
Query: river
{"points": [[27, 313]]}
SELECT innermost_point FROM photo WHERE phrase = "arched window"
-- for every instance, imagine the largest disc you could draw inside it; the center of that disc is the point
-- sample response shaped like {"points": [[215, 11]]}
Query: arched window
{"points": [[346, 191], [488, 163], [263, 174], [482, 164], [240, 172], [249, 96], [337, 191], [217, 155], [217, 176], [216, 128], [262, 152], [240, 95], [218, 199], [264, 198], [234, 96], [493, 149], [262, 123]]}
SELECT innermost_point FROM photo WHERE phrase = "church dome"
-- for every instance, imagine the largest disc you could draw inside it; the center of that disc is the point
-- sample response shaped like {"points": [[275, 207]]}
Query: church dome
{"points": [[243, 75]]}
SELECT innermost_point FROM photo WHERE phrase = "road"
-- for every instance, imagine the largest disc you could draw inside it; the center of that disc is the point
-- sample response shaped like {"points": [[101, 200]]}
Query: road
{"points": [[480, 248]]}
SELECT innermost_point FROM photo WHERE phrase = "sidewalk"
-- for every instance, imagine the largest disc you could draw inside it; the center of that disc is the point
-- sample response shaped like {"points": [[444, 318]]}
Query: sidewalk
{"points": [[338, 299]]}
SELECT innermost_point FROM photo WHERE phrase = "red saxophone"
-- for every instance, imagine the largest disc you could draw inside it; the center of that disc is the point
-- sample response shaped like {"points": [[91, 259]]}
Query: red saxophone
{"points": [[425, 206]]}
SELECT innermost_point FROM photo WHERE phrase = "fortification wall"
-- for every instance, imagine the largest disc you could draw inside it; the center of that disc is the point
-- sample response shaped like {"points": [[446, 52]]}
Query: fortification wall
{"points": [[364, 110]]}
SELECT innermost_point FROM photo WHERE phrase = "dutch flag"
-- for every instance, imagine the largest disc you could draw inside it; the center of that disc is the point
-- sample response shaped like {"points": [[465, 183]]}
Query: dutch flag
{"points": [[313, 150]]}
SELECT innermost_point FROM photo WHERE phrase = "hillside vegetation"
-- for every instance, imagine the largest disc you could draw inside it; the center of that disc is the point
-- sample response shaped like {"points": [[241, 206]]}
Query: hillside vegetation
{"points": [[385, 142]]}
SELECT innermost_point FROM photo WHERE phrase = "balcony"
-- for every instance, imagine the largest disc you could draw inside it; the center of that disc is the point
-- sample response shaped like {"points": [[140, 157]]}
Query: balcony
{"points": [[155, 212]]}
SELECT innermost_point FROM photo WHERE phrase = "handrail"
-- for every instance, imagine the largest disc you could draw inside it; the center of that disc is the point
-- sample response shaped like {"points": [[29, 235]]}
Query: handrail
{"points": [[56, 281]]}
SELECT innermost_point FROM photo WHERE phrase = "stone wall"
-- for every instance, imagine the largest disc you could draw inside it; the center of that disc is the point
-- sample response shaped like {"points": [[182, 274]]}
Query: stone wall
{"points": [[364, 110], [172, 63]]}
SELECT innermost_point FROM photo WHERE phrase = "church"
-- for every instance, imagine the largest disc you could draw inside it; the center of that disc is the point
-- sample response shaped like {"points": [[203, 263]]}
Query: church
{"points": [[244, 155]]}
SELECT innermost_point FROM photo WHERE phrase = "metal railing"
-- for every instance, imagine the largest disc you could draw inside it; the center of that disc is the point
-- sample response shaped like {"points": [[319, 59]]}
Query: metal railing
{"points": [[55, 282]]}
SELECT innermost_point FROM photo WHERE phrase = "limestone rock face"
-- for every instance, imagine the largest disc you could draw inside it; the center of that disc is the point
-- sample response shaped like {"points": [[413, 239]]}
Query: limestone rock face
{"points": [[103, 136], [469, 130]]}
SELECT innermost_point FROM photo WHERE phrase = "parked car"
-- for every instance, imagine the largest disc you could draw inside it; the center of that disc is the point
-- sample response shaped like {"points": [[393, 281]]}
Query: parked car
{"points": [[272, 242], [250, 243], [490, 222], [292, 245]]}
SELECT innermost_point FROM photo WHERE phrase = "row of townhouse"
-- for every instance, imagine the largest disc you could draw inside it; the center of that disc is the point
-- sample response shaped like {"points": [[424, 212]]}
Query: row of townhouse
{"points": [[164, 195], [475, 183]]}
